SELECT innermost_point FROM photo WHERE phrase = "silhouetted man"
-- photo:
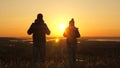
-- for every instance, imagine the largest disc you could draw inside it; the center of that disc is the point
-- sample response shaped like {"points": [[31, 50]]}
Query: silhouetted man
{"points": [[71, 33], [39, 30]]}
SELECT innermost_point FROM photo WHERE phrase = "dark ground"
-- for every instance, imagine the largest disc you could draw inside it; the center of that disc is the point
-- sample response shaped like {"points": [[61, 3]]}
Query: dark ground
{"points": [[15, 53]]}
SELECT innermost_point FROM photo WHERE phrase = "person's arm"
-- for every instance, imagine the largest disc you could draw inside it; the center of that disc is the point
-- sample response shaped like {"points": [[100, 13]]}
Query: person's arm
{"points": [[77, 33], [30, 30], [65, 33], [47, 31]]}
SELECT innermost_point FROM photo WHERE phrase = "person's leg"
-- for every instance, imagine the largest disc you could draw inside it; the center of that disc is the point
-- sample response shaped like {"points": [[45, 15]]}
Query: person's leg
{"points": [[74, 56], [70, 54], [42, 55], [35, 56]]}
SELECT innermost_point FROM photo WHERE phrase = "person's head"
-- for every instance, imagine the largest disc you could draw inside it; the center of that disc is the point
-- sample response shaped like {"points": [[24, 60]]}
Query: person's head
{"points": [[39, 16], [71, 23]]}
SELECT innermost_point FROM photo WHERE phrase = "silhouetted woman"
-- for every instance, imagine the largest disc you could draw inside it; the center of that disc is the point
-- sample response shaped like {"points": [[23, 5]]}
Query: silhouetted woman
{"points": [[39, 30], [71, 33]]}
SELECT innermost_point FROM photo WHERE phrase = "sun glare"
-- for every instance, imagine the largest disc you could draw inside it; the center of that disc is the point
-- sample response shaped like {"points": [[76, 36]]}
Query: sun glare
{"points": [[62, 27], [57, 40]]}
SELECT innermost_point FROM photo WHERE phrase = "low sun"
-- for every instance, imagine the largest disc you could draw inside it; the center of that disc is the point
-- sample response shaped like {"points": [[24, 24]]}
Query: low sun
{"points": [[62, 27]]}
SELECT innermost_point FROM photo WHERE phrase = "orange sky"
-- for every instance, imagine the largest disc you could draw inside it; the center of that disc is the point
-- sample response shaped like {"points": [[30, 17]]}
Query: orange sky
{"points": [[92, 17]]}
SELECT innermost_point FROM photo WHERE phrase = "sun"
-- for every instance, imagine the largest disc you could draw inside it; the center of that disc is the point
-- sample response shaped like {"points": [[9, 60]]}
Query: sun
{"points": [[62, 27]]}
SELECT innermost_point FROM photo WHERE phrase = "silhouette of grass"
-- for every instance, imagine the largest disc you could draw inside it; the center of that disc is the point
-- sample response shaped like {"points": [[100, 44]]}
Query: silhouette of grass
{"points": [[90, 54]]}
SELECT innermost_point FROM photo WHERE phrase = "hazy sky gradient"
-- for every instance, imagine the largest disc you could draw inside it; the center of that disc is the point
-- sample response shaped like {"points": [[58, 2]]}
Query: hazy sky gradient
{"points": [[92, 17]]}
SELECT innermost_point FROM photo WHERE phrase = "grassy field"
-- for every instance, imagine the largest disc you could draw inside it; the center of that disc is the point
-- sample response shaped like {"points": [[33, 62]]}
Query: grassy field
{"points": [[15, 53]]}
